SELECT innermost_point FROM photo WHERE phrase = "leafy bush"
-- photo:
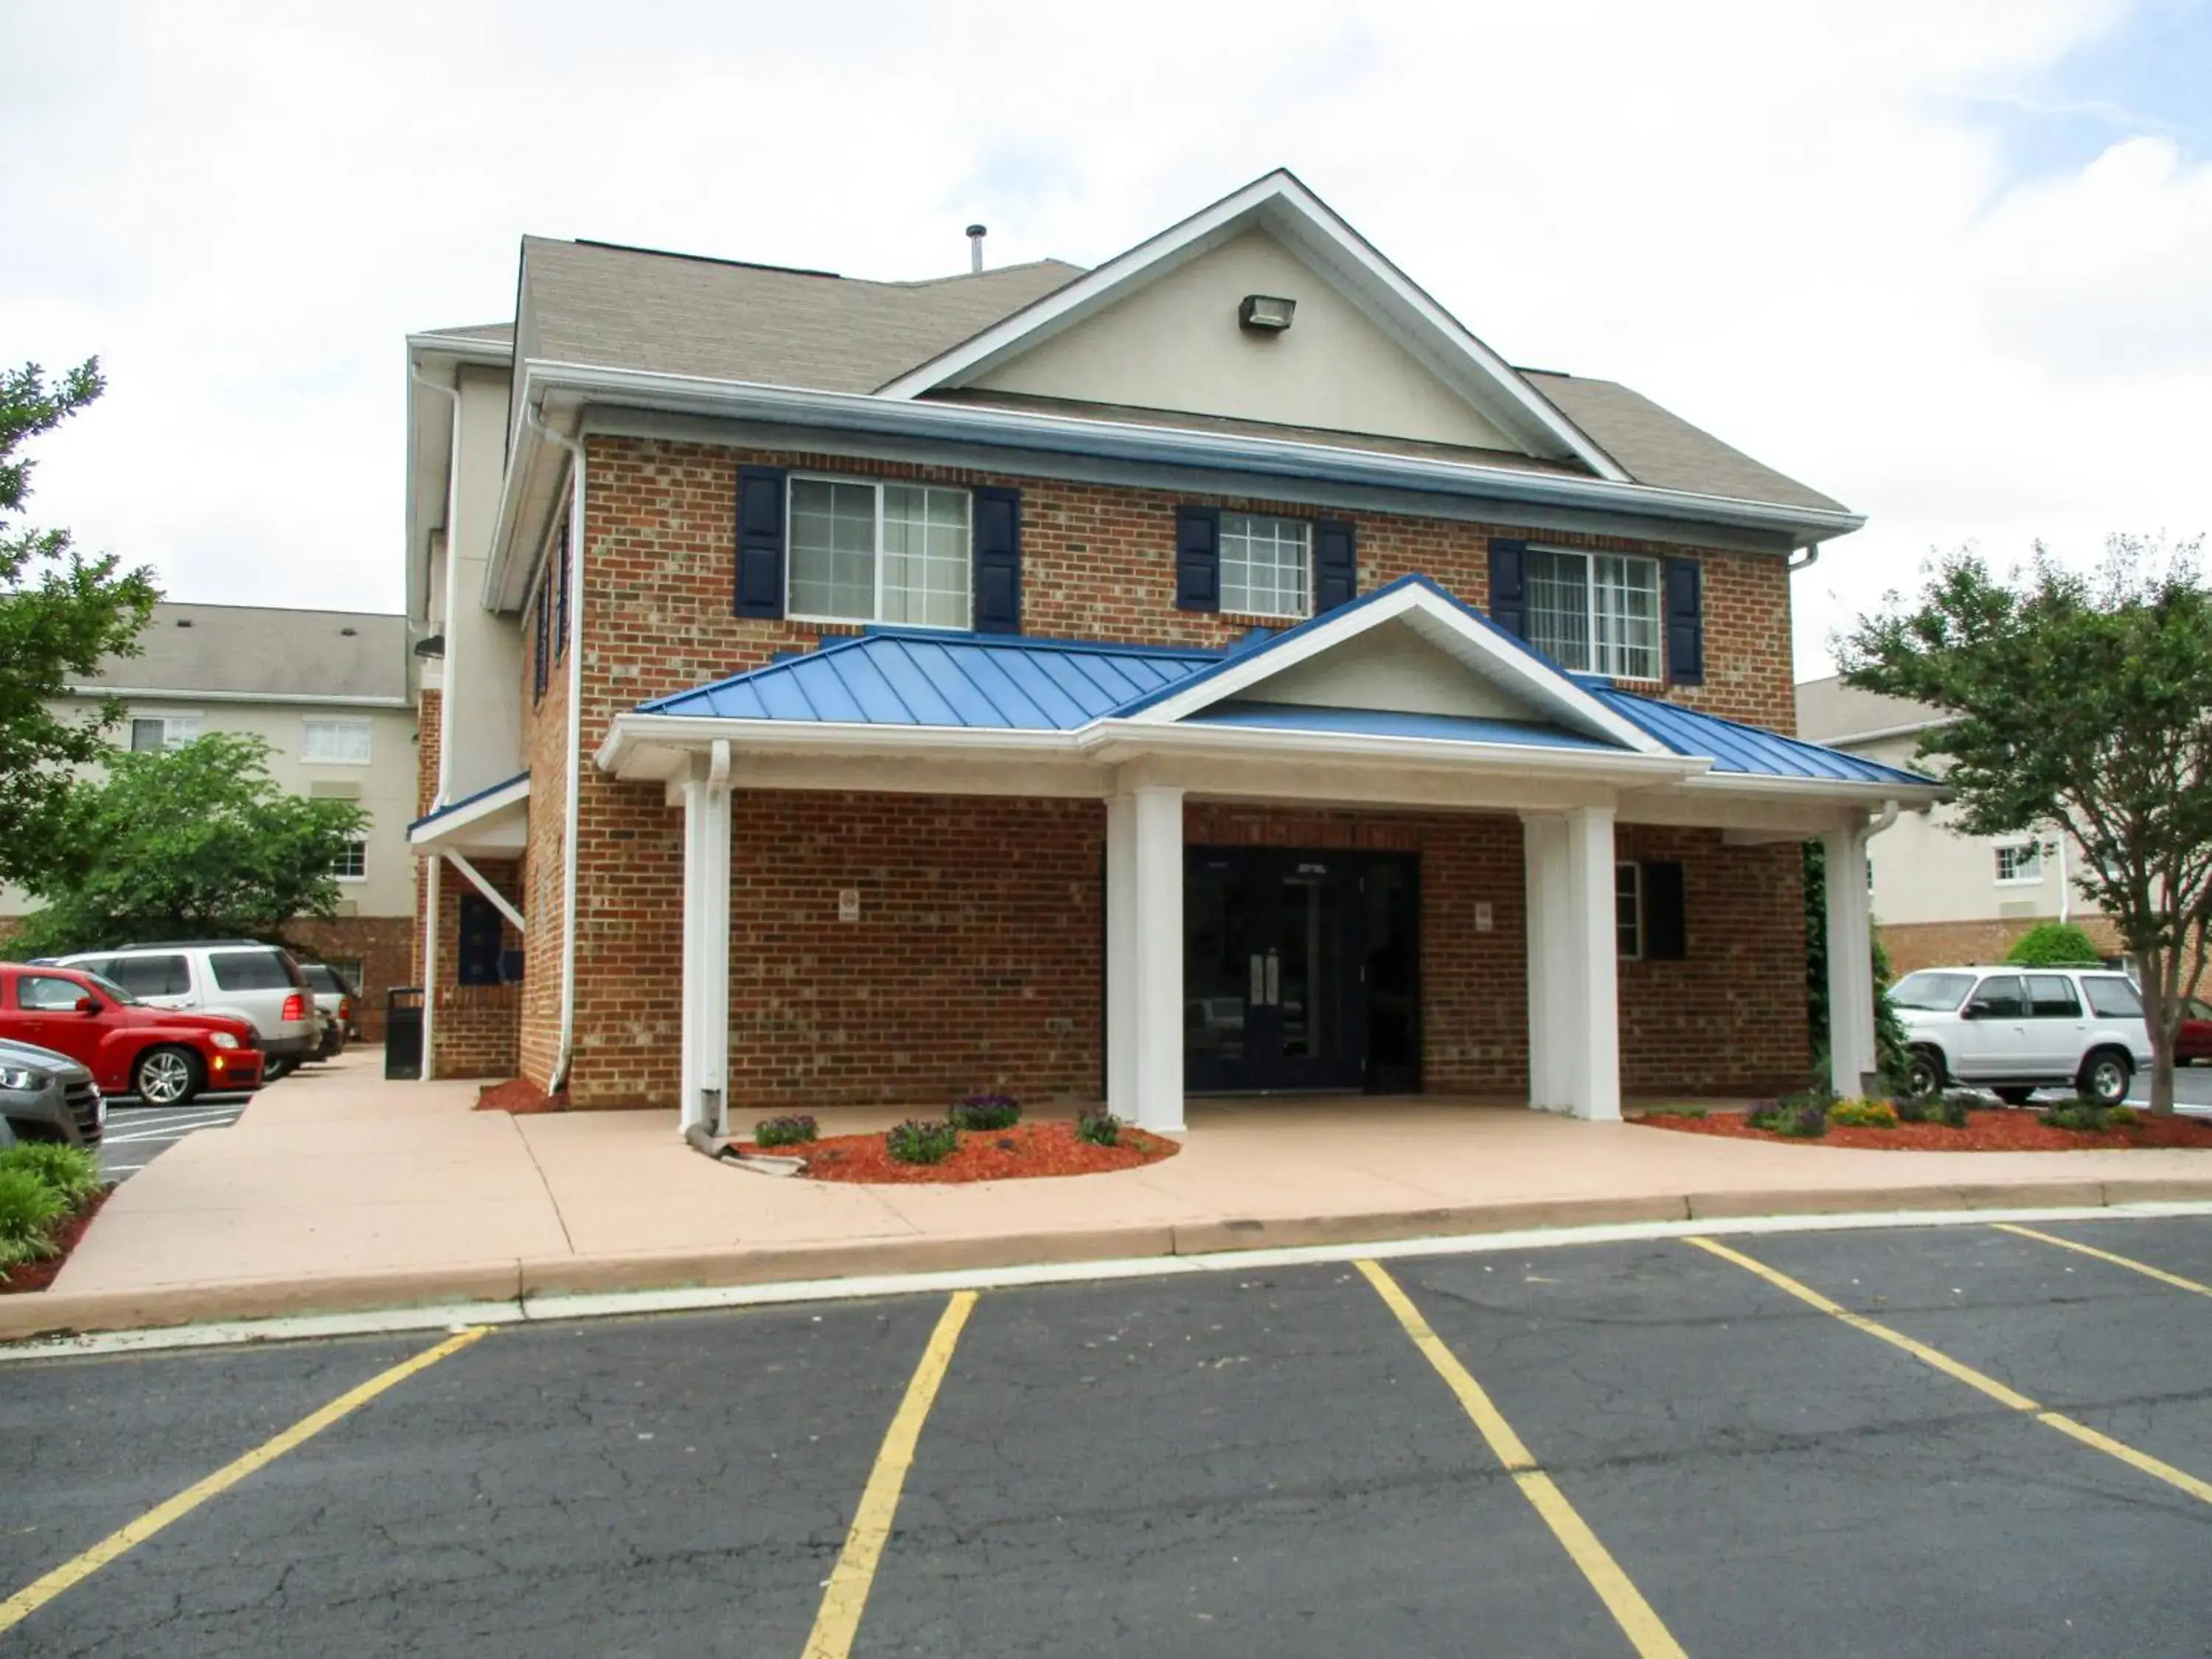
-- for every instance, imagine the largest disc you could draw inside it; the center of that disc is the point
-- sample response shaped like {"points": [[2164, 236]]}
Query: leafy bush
{"points": [[1913, 1111], [917, 1140], [2053, 944], [1950, 1108], [72, 1172], [29, 1210], [2082, 1114], [785, 1132], [1099, 1129], [1804, 1116], [1864, 1114], [986, 1112], [2123, 1117]]}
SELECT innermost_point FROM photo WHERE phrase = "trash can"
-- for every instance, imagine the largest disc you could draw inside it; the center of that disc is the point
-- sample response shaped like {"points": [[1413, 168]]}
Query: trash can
{"points": [[403, 1031]]}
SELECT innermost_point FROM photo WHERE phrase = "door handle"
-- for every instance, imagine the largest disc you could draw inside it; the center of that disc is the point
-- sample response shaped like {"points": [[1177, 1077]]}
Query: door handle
{"points": [[1258, 997]]}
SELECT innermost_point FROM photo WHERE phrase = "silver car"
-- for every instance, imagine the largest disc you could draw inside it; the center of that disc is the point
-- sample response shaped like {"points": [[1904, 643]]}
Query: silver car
{"points": [[2012, 1030], [260, 984], [45, 1095]]}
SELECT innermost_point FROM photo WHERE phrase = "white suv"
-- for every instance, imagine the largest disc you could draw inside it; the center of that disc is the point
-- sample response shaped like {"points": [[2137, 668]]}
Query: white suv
{"points": [[2014, 1030], [244, 978]]}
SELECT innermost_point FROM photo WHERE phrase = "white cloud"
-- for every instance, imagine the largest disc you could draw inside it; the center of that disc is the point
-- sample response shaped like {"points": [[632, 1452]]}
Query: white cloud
{"points": [[1777, 220]]}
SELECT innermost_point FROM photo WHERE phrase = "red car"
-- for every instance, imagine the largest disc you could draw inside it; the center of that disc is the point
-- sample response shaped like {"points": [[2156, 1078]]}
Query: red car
{"points": [[2192, 1038], [163, 1056]]}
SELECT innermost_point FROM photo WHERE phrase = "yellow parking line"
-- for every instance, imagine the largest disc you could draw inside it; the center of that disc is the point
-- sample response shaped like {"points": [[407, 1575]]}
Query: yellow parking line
{"points": [[2128, 1262], [28, 1599], [2180, 1479], [846, 1597], [1642, 1626]]}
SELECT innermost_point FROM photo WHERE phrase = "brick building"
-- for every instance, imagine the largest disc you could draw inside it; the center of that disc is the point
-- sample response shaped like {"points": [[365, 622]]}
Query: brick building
{"points": [[1217, 670]]}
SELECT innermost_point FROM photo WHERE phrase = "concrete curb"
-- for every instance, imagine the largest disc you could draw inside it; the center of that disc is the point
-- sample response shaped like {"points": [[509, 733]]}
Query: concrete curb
{"points": [[43, 1315]]}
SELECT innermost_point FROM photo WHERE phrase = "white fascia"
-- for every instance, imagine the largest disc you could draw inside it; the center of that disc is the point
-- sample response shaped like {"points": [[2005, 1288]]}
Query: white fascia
{"points": [[1445, 626], [470, 815], [315, 699], [1281, 205], [438, 359], [1828, 789], [561, 391]]}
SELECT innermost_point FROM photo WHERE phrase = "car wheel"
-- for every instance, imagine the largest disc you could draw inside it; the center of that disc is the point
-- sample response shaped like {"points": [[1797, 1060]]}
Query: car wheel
{"points": [[279, 1067], [2105, 1076], [1923, 1074], [2014, 1097], [165, 1077]]}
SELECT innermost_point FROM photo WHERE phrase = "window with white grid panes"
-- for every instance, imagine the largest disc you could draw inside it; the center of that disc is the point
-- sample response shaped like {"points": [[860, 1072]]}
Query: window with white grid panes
{"points": [[877, 553], [1596, 613], [1267, 566]]}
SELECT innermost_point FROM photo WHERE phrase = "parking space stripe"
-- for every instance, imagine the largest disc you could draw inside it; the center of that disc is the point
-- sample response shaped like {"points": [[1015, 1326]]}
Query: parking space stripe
{"points": [[1642, 1626], [28, 1599], [845, 1596], [2127, 1261], [2012, 1399]]}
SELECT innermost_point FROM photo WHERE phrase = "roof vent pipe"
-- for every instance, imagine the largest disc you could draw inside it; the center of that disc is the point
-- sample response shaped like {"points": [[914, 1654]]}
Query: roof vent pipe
{"points": [[975, 235]]}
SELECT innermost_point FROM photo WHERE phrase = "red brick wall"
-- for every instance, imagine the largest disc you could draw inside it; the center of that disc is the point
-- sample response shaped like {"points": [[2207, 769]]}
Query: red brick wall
{"points": [[429, 742], [474, 1028]]}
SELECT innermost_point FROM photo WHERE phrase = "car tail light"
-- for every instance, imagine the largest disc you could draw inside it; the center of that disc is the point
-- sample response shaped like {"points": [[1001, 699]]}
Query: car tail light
{"points": [[345, 1007], [295, 1007]]}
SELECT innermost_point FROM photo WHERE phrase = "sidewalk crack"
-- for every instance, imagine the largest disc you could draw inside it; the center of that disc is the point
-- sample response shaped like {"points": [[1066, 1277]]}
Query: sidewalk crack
{"points": [[546, 1184]]}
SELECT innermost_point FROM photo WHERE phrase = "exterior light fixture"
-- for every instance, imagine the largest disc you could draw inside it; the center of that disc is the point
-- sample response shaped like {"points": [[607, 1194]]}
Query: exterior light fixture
{"points": [[433, 646], [1265, 313]]}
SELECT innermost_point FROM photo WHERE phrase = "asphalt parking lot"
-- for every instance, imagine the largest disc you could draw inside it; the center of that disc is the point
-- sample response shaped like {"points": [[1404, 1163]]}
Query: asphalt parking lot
{"points": [[137, 1134], [1650, 1448]]}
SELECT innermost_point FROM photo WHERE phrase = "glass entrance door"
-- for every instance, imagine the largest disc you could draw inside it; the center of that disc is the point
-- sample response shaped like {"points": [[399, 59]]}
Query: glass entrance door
{"points": [[1272, 973]]}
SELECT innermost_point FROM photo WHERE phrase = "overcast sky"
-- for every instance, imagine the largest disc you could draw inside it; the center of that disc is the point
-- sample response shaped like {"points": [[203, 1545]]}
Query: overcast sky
{"points": [[1951, 263]]}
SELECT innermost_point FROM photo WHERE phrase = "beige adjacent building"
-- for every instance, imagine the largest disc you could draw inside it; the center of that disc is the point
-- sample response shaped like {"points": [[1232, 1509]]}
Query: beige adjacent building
{"points": [[1939, 895], [329, 692]]}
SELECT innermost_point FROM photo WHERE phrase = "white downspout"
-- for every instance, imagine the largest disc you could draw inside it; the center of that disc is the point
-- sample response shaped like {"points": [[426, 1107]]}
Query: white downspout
{"points": [[574, 762], [426, 870], [2065, 885]]}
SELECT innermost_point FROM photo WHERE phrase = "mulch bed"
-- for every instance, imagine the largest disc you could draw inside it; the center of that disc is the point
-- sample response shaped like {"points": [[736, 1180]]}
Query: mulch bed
{"points": [[519, 1094], [26, 1276], [1996, 1130], [1026, 1150]]}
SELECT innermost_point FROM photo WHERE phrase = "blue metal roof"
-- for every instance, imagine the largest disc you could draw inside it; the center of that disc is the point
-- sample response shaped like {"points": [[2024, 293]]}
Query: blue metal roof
{"points": [[902, 677], [1752, 750], [909, 677], [1388, 723], [453, 806]]}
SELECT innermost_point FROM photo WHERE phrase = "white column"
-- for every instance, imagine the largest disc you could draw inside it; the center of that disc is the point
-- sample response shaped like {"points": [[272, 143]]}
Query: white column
{"points": [[1851, 1054], [706, 1001], [1144, 956], [1551, 1023], [426, 870], [1591, 962]]}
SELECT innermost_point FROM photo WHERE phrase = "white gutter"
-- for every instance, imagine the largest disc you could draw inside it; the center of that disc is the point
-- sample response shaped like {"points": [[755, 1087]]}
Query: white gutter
{"points": [[167, 694], [427, 1071], [573, 765], [1122, 441]]}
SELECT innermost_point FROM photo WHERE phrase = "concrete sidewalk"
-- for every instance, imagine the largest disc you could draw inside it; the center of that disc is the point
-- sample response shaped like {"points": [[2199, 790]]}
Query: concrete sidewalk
{"points": [[339, 1191]]}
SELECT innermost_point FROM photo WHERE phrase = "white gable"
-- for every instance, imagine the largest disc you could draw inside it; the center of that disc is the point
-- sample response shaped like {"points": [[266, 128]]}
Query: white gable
{"points": [[1176, 344], [1392, 667]]}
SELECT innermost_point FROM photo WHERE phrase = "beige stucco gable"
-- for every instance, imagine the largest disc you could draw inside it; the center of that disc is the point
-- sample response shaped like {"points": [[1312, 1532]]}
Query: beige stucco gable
{"points": [[1176, 344], [1392, 668]]}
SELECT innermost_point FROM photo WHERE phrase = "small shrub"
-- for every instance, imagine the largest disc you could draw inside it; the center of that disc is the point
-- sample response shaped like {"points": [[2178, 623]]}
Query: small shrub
{"points": [[29, 1210], [1674, 1110], [1099, 1129], [2123, 1117], [71, 1172], [918, 1140], [2084, 1116], [1950, 1109], [2054, 944], [984, 1113], [1803, 1116], [1912, 1111], [785, 1132], [1864, 1114]]}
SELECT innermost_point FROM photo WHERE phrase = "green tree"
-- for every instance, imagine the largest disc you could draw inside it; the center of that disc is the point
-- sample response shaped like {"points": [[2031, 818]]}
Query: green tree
{"points": [[195, 842], [60, 614], [2083, 703], [2054, 944]]}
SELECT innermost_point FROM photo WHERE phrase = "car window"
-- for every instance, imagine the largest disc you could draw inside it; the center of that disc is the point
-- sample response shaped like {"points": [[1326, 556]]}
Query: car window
{"points": [[2194, 1008], [249, 970], [2051, 996], [110, 988], [44, 993], [149, 976], [2113, 997], [1937, 992], [322, 978], [1999, 997]]}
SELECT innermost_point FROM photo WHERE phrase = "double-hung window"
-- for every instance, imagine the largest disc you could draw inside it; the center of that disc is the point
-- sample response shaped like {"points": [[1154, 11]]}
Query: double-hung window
{"points": [[1628, 911], [352, 863], [338, 743], [1596, 613], [878, 553], [1267, 566], [2020, 863], [151, 733]]}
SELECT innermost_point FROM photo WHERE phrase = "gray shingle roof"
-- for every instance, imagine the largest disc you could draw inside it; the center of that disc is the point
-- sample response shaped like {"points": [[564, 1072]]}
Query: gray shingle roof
{"points": [[266, 651]]}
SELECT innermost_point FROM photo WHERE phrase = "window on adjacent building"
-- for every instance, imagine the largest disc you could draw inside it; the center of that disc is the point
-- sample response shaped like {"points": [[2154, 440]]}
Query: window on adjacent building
{"points": [[1628, 911], [2021, 861], [1596, 613], [1267, 566], [352, 865], [340, 742], [878, 553], [152, 733]]}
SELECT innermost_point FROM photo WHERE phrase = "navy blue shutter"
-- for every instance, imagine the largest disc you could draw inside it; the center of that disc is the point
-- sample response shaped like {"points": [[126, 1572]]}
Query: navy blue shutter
{"points": [[476, 960], [1198, 558], [1508, 586], [561, 599], [997, 555], [1336, 564], [760, 542], [1686, 621], [1665, 935], [541, 662]]}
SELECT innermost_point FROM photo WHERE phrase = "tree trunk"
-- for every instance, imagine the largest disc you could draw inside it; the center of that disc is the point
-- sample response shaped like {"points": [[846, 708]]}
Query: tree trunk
{"points": [[2162, 1018]]}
